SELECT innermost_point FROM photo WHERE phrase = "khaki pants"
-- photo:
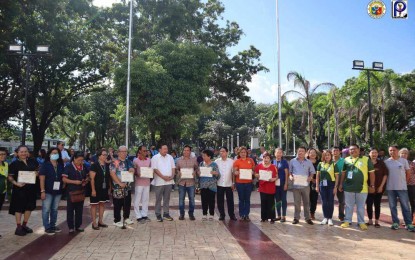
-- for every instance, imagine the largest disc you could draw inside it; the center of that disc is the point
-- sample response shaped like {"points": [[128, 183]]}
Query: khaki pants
{"points": [[302, 194]]}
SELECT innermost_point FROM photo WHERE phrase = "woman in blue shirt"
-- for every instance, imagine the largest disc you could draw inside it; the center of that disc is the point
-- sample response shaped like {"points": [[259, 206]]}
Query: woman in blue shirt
{"points": [[282, 184], [51, 186]]}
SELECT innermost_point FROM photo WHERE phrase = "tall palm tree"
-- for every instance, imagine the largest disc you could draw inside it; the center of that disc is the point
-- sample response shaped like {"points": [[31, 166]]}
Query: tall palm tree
{"points": [[306, 93]]}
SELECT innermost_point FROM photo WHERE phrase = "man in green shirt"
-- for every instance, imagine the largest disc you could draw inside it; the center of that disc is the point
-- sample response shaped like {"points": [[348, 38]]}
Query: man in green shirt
{"points": [[355, 174]]}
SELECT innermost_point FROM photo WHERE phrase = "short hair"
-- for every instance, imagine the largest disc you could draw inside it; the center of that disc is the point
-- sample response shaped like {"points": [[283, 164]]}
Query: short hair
{"points": [[302, 147], [224, 148], [187, 146], [100, 151], [3, 149], [373, 149], [394, 146], [122, 147], [335, 147], [60, 142], [208, 153], [76, 155], [267, 154], [403, 150], [324, 153], [279, 149], [355, 145], [242, 148], [47, 158], [20, 147]]}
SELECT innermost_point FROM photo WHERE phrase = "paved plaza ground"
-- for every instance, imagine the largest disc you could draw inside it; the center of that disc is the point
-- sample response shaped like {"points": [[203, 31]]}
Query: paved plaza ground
{"points": [[207, 239]]}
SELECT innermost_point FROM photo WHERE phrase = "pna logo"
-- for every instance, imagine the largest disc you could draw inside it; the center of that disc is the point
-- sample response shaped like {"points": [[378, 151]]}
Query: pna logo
{"points": [[376, 9], [400, 9]]}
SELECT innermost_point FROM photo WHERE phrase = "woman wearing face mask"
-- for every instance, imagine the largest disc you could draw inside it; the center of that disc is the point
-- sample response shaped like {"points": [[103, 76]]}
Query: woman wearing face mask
{"points": [[51, 186]]}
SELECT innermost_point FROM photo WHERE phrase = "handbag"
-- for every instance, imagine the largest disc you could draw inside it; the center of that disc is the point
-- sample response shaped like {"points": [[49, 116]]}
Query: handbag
{"points": [[77, 196], [118, 193]]}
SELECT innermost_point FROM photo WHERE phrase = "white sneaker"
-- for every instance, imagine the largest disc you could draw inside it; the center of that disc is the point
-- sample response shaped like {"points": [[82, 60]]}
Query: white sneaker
{"points": [[129, 221], [118, 224], [330, 222], [204, 218], [324, 222], [210, 218]]}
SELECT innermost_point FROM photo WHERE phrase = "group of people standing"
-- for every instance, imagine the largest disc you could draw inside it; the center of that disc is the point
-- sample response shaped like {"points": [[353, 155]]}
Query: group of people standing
{"points": [[354, 178]]}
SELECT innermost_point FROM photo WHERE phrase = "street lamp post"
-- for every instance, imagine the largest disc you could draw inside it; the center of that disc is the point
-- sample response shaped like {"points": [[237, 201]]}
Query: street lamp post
{"points": [[18, 50], [376, 66], [237, 139], [294, 144], [232, 142]]}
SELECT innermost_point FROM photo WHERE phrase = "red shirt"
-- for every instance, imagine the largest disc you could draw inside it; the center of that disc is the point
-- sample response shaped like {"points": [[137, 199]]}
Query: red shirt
{"points": [[267, 186]]}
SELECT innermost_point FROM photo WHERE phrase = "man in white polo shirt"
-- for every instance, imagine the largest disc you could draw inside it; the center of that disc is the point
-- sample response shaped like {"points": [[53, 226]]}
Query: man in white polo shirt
{"points": [[225, 184], [164, 171]]}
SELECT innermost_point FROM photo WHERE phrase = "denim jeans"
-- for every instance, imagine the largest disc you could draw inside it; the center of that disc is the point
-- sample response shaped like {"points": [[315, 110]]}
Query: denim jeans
{"points": [[50, 210], [403, 198], [327, 199], [244, 194], [281, 200], [191, 194], [352, 198]]}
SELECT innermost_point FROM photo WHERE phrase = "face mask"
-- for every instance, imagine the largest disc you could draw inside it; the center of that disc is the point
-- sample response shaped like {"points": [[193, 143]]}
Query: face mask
{"points": [[54, 157]]}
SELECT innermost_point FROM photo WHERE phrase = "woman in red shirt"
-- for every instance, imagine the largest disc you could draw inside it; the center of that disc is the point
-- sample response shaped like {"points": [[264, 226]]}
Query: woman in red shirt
{"points": [[267, 187]]}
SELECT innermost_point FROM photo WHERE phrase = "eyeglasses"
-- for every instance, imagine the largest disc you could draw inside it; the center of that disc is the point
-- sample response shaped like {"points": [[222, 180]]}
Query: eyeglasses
{"points": [[2, 154]]}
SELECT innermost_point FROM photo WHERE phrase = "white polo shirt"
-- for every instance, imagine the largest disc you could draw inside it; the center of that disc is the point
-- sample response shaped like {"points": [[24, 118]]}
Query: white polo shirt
{"points": [[164, 164], [225, 170]]}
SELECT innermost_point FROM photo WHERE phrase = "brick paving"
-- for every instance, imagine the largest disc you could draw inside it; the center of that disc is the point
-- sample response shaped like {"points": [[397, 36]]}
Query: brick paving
{"points": [[210, 239]]}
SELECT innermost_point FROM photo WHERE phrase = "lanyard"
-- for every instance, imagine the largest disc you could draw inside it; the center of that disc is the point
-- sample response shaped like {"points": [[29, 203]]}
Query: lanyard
{"points": [[103, 169], [56, 171]]}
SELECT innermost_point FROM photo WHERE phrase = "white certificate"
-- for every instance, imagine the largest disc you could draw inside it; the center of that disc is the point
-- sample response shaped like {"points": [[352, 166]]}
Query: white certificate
{"points": [[245, 174], [205, 171], [300, 180], [28, 177], [265, 175], [146, 172], [278, 182], [187, 173], [127, 176]]}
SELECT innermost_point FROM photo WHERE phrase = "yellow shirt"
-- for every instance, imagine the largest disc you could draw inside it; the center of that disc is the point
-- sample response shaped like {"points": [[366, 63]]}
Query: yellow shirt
{"points": [[4, 172]]}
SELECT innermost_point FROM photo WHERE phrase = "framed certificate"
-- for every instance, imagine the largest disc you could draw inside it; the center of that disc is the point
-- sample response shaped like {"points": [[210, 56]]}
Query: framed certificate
{"points": [[205, 171], [127, 176], [146, 172], [300, 180], [265, 175], [187, 173], [245, 174], [28, 177]]}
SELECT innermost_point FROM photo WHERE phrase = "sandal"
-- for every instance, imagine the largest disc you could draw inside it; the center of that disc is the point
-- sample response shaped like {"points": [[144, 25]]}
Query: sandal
{"points": [[95, 227], [377, 225]]}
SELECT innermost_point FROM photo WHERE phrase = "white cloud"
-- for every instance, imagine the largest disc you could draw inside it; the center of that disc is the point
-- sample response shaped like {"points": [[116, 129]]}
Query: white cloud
{"points": [[104, 3], [261, 90]]}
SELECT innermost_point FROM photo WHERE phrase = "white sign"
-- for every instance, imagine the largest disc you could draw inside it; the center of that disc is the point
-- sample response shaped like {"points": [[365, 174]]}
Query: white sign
{"points": [[28, 177], [187, 173], [265, 175], [301, 180]]}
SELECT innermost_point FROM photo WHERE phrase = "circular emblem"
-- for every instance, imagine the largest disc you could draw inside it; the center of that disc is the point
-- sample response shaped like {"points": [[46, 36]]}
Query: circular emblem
{"points": [[376, 9]]}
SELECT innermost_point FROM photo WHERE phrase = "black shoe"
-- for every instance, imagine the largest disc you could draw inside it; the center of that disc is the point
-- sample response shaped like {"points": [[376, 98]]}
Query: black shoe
{"points": [[167, 217], [242, 218], [233, 218], [272, 221], [247, 219], [310, 222], [57, 230], [95, 227], [20, 231], [159, 219], [27, 229], [181, 217], [49, 231], [192, 217], [295, 221], [80, 229], [222, 218], [102, 225], [263, 220], [139, 219]]}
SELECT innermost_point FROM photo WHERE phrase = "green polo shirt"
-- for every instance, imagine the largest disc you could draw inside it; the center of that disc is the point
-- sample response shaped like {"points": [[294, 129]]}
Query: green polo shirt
{"points": [[356, 172], [328, 171]]}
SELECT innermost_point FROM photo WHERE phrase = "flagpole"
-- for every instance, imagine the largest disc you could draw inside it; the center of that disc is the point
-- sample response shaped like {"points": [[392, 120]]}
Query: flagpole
{"points": [[127, 115], [279, 78]]}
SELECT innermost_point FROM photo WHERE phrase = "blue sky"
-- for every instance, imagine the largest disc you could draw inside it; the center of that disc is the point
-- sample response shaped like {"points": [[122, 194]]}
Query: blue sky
{"points": [[319, 39]]}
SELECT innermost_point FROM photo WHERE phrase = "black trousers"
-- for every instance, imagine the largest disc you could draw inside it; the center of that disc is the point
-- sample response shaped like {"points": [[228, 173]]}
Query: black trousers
{"points": [[74, 213], [208, 201], [267, 206], [313, 200], [124, 204], [411, 196], [376, 199], [222, 191], [340, 198], [2, 196]]}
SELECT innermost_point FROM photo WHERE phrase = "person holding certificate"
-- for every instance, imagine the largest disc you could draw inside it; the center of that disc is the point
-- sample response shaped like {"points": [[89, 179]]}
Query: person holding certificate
{"points": [[302, 171], [281, 185], [267, 174], [208, 185], [187, 168], [75, 178], [142, 185], [99, 174], [327, 181], [23, 200], [51, 188], [121, 195], [243, 168]]}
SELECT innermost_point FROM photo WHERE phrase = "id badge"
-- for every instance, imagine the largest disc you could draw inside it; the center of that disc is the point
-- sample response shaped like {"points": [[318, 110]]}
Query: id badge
{"points": [[324, 182], [56, 185], [350, 175], [278, 182], [104, 185]]}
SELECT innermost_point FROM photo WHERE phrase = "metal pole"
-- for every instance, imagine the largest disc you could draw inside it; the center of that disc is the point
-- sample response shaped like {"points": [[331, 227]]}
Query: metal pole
{"points": [[237, 139], [227, 143], [26, 89], [127, 115], [294, 144], [232, 142], [328, 129], [222, 142], [279, 79], [370, 109]]}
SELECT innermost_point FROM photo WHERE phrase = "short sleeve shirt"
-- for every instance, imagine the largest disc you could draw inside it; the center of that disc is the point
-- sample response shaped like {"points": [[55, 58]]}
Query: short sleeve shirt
{"points": [[141, 163], [4, 170], [118, 166], [328, 171], [357, 173], [51, 175], [267, 187], [281, 166], [397, 174], [72, 173], [240, 163], [102, 175]]}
